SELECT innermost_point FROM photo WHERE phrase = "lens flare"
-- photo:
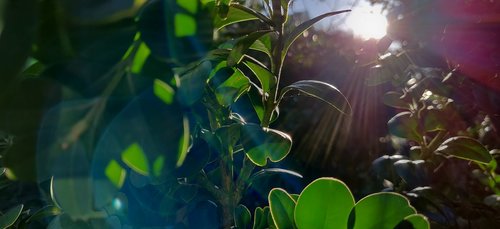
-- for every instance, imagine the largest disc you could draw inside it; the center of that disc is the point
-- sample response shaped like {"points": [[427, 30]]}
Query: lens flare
{"points": [[366, 24]]}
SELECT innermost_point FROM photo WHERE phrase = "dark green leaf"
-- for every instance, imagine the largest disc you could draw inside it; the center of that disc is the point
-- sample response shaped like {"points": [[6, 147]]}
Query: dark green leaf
{"points": [[228, 92], [297, 31], [415, 221], [44, 212], [243, 218], [324, 203], [263, 45], [258, 15], [266, 79], [404, 125], [322, 91], [434, 120], [192, 83], [393, 99], [242, 46], [9, 218], [282, 207], [263, 143], [466, 148], [234, 15], [260, 218], [380, 210]]}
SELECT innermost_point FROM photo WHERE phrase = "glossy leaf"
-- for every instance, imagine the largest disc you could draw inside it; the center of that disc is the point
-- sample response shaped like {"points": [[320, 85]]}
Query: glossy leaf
{"points": [[234, 15], [324, 203], [258, 15], [261, 144], [297, 31], [260, 218], [136, 159], [322, 91], [404, 125], [163, 91], [243, 218], [415, 221], [192, 83], [282, 207], [380, 210], [393, 99], [242, 46], [466, 148], [8, 218], [266, 79], [272, 171], [263, 45], [230, 90]]}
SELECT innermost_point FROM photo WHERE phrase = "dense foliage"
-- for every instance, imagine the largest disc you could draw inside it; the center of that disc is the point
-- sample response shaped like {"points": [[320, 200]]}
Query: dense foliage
{"points": [[170, 113]]}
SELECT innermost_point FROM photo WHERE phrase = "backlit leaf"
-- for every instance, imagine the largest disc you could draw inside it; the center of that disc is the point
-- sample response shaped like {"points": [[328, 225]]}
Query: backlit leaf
{"points": [[185, 25], [324, 203], [242, 46], [261, 144], [9, 218], [322, 91], [282, 207], [466, 148], [380, 210]]}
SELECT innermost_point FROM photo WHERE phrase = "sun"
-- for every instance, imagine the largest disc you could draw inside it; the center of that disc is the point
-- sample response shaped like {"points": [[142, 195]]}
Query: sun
{"points": [[367, 24]]}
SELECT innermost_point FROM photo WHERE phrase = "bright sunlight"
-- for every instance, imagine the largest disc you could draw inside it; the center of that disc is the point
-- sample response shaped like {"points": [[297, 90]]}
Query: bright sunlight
{"points": [[366, 24]]}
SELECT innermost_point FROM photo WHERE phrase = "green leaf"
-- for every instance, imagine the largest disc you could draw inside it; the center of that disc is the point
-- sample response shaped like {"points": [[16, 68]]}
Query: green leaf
{"points": [[266, 79], [185, 25], [192, 83], [190, 5], [263, 143], [234, 15], [44, 212], [183, 143], [163, 91], [324, 203], [229, 91], [434, 120], [380, 210], [263, 45], [415, 221], [242, 217], [79, 202], [140, 58], [10, 217], [115, 173], [135, 158], [393, 99], [242, 46], [258, 15], [297, 31], [466, 148], [404, 125], [260, 218], [322, 91], [255, 96], [295, 197], [282, 207]]}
